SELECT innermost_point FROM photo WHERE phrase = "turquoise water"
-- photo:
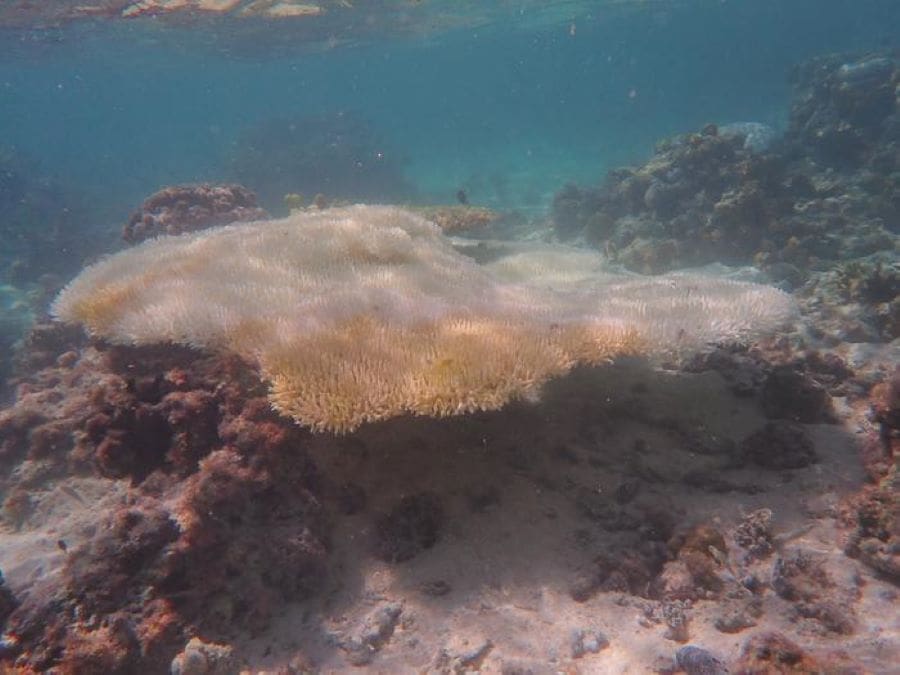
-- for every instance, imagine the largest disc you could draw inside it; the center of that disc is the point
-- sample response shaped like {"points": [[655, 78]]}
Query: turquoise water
{"points": [[508, 103]]}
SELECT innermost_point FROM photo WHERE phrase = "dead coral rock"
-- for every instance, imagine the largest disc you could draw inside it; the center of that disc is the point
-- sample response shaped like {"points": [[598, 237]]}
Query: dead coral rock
{"points": [[192, 418], [134, 452], [44, 344], [247, 539], [585, 585], [651, 256], [46, 440], [829, 369], [885, 398], [792, 395], [187, 208], [675, 582], [881, 556], [154, 416], [801, 578], [874, 512], [251, 538], [411, 527], [458, 217], [120, 556], [585, 642], [672, 613], [110, 648], [629, 571], [754, 534], [695, 573], [204, 658], [738, 616], [462, 655], [875, 515], [220, 531], [119, 412], [374, 632], [859, 299], [698, 661], [780, 445], [744, 372], [772, 652], [16, 427]]}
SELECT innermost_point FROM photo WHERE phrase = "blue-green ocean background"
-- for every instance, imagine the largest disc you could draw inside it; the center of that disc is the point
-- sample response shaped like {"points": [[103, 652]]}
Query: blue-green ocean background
{"points": [[509, 107]]}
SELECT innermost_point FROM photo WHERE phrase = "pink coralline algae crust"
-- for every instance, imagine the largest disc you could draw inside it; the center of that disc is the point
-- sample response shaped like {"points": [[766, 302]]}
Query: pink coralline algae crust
{"points": [[220, 527], [186, 208]]}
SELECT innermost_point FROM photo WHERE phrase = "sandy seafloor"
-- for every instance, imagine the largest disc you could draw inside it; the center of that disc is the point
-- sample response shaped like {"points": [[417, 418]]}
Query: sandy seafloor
{"points": [[530, 497], [510, 564]]}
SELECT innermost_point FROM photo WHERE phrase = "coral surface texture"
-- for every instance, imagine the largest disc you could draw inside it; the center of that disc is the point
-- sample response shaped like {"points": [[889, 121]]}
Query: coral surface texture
{"points": [[362, 313]]}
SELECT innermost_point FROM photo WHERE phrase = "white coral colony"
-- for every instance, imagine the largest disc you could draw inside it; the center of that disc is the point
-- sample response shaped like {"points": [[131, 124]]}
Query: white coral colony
{"points": [[363, 313]]}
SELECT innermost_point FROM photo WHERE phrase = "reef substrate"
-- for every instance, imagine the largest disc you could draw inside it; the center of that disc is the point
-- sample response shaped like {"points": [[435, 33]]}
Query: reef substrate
{"points": [[157, 514]]}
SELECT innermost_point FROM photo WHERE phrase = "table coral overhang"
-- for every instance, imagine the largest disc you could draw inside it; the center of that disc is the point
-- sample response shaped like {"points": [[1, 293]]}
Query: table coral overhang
{"points": [[362, 313]]}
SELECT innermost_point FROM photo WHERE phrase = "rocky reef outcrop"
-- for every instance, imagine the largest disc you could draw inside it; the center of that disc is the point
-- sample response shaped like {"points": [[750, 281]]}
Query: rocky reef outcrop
{"points": [[817, 208], [186, 208], [221, 523], [826, 191]]}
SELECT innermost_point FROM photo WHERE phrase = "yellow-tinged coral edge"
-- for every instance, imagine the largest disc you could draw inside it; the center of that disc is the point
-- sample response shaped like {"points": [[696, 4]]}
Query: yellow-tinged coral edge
{"points": [[337, 381]]}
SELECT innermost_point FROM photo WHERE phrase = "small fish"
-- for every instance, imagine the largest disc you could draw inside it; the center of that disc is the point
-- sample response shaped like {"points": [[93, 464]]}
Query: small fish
{"points": [[462, 197]]}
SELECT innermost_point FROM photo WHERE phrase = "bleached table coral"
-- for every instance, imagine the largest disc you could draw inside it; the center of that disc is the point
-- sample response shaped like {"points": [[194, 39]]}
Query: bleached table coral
{"points": [[362, 313]]}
